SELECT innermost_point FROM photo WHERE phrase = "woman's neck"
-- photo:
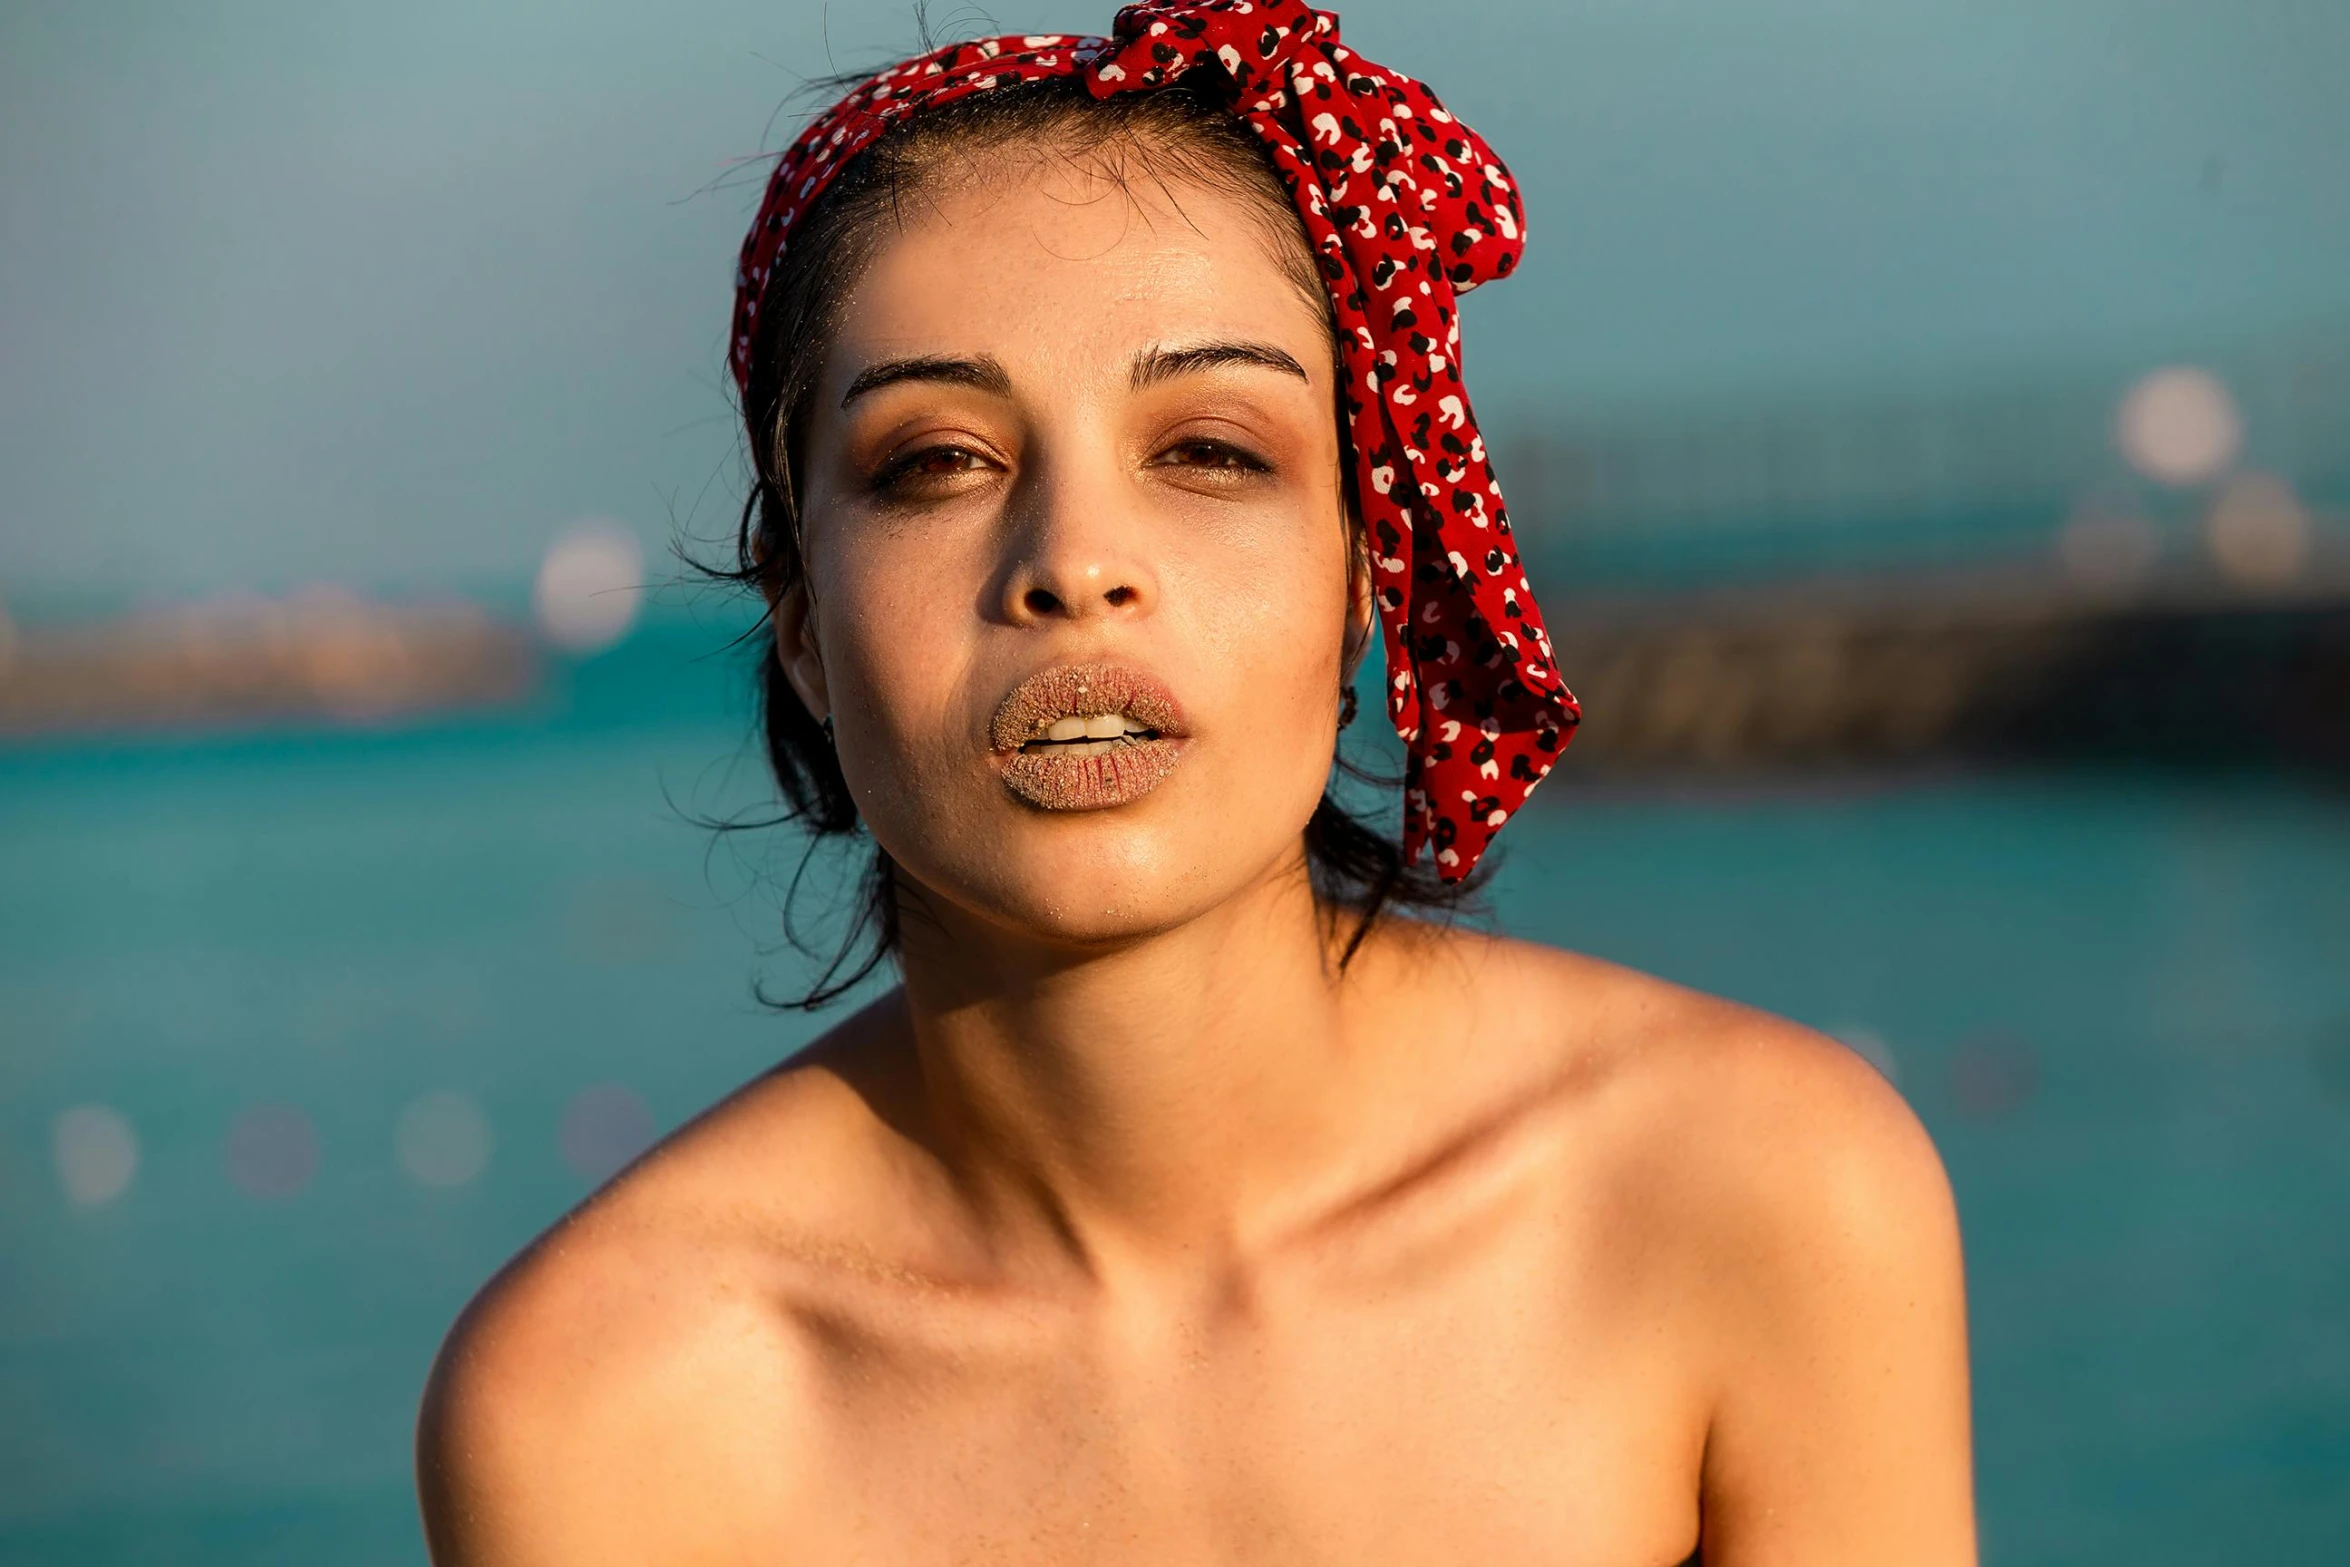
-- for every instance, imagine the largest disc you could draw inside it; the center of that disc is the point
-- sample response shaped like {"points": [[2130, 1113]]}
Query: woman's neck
{"points": [[1171, 1093]]}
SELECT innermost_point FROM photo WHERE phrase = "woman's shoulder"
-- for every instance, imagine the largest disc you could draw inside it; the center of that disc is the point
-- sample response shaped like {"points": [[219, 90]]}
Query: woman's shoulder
{"points": [[623, 1329], [1736, 1131], [1764, 1202]]}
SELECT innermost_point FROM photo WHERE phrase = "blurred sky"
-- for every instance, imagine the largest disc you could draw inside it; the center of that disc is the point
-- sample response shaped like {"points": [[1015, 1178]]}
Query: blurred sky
{"points": [[294, 289]]}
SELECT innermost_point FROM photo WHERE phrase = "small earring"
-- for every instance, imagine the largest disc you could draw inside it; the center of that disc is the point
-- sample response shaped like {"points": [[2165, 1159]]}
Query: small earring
{"points": [[828, 740], [1347, 703]]}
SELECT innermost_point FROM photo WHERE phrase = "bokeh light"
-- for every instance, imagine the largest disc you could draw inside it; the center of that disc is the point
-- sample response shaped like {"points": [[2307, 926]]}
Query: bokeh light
{"points": [[442, 1139], [604, 1126], [2179, 426], [272, 1151], [97, 1154], [590, 587], [1993, 1076], [2258, 530]]}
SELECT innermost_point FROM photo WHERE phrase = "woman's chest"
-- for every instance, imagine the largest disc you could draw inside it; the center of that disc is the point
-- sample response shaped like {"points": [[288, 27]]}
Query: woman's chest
{"points": [[1359, 1433]]}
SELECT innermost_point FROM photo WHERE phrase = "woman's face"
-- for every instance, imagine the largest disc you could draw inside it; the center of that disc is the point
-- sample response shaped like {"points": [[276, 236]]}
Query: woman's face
{"points": [[1078, 588]]}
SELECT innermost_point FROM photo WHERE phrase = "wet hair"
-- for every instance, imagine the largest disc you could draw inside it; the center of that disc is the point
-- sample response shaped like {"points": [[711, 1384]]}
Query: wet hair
{"points": [[1173, 136]]}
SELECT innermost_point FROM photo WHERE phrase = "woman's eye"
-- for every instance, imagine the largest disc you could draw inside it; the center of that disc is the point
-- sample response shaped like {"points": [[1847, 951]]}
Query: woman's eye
{"points": [[929, 466], [1214, 456]]}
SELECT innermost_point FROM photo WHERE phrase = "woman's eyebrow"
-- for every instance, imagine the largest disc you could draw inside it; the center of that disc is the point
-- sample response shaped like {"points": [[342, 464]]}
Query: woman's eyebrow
{"points": [[1154, 365], [982, 372]]}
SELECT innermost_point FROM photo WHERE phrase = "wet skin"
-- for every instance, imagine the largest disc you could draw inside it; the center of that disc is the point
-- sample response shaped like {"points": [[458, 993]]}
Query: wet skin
{"points": [[1128, 1229]]}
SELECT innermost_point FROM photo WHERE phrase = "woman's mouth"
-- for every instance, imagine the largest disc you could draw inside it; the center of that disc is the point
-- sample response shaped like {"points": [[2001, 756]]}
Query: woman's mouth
{"points": [[1095, 736], [1084, 737]]}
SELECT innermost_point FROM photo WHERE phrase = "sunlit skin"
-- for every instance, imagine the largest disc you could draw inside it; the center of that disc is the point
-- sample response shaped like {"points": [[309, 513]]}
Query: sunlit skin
{"points": [[1130, 1230]]}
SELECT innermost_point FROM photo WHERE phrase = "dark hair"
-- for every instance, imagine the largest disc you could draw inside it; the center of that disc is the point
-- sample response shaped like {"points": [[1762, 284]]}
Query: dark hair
{"points": [[1173, 132]]}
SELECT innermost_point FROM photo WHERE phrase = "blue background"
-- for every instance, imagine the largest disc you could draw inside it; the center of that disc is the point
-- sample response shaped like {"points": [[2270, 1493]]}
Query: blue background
{"points": [[389, 296]]}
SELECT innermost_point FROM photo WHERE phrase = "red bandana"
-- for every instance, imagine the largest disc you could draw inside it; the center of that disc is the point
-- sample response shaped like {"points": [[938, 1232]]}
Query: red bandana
{"points": [[1407, 208]]}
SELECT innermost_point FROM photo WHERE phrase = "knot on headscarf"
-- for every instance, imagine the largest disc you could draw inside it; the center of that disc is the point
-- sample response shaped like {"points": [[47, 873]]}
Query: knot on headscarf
{"points": [[1406, 208]]}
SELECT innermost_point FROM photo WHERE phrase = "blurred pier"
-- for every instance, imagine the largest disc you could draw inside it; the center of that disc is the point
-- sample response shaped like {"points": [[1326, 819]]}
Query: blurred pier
{"points": [[2154, 570], [1985, 666], [323, 655]]}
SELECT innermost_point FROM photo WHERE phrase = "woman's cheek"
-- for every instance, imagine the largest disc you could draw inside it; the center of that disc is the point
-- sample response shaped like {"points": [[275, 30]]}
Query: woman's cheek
{"points": [[902, 618], [1278, 612]]}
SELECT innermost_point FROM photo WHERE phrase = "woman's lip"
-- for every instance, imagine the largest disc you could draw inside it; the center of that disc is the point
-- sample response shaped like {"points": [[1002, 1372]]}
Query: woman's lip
{"points": [[1084, 691], [1081, 778]]}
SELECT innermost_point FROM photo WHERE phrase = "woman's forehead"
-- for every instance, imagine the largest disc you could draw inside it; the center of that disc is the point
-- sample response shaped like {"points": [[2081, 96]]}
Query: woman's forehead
{"points": [[1058, 262]]}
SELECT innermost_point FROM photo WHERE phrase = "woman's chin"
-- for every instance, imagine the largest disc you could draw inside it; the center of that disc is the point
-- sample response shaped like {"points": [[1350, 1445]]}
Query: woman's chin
{"points": [[1082, 904], [1101, 885], [1093, 920]]}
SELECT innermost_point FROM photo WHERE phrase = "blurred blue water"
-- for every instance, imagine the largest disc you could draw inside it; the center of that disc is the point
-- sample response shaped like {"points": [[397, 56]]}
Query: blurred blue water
{"points": [[2121, 1005]]}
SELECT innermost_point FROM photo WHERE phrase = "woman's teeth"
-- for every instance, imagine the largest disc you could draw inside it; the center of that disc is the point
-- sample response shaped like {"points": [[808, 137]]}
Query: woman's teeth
{"points": [[1087, 736]]}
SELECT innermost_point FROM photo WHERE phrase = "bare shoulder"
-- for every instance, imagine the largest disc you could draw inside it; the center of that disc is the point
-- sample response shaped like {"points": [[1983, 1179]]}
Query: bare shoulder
{"points": [[1771, 1206], [1711, 1107], [611, 1369], [1750, 1166]]}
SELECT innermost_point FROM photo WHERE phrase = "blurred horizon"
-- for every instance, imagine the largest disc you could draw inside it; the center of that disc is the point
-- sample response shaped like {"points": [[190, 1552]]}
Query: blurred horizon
{"points": [[324, 293]]}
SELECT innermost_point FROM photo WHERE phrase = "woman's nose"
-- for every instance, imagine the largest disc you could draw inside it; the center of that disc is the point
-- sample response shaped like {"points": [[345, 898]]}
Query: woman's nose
{"points": [[1079, 556]]}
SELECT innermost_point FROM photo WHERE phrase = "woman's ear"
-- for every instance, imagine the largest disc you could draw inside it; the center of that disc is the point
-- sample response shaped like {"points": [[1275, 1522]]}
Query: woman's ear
{"points": [[793, 614], [1361, 616]]}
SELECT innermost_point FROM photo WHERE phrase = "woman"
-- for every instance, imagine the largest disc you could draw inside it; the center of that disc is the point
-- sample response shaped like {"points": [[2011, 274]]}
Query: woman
{"points": [[1187, 1203]]}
